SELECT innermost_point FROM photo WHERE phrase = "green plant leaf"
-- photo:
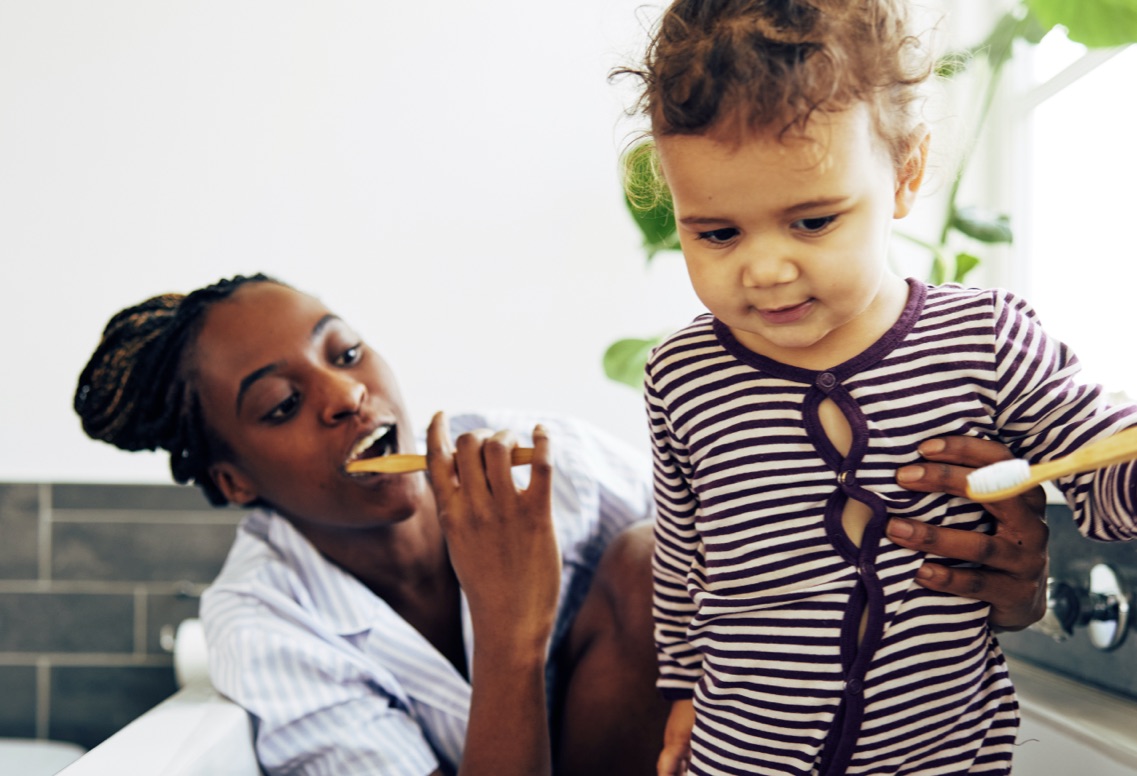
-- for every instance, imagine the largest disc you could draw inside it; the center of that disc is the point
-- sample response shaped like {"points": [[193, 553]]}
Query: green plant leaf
{"points": [[952, 63], [964, 263], [648, 200], [999, 45], [1033, 30], [624, 360], [657, 225], [937, 273], [1093, 23], [983, 225]]}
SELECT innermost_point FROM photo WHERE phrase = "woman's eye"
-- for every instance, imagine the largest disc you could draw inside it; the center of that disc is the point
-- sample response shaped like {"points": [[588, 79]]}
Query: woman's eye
{"points": [[284, 410], [350, 356], [817, 224], [717, 236]]}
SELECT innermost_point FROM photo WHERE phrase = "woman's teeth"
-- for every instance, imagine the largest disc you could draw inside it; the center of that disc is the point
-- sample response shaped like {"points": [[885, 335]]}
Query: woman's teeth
{"points": [[374, 438]]}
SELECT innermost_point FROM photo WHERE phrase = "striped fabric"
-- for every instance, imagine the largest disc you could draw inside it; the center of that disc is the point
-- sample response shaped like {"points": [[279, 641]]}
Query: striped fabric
{"points": [[760, 593], [334, 680]]}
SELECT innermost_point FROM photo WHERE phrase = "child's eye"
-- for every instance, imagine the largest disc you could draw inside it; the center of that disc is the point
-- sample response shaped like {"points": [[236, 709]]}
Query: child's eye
{"points": [[284, 410], [718, 236], [350, 356], [818, 224]]}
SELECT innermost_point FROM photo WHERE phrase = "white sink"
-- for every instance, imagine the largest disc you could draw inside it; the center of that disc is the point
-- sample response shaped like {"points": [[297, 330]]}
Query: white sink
{"points": [[1071, 729]]}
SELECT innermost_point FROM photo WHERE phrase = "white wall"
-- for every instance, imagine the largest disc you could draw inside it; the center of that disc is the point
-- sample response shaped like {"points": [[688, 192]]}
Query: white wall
{"points": [[443, 174]]}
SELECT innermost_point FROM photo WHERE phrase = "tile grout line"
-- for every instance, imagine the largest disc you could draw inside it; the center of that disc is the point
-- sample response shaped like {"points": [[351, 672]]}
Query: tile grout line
{"points": [[140, 624], [84, 660], [44, 516], [95, 587], [43, 697]]}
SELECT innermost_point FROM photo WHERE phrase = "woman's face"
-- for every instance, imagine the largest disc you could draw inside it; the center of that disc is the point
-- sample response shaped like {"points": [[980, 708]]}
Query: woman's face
{"points": [[294, 393]]}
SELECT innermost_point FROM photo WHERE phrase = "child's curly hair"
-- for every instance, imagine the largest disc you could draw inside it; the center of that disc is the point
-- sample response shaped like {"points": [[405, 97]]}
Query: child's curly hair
{"points": [[769, 64]]}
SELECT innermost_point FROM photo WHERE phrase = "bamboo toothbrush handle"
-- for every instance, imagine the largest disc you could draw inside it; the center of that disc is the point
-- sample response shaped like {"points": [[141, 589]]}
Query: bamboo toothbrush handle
{"points": [[401, 463], [1122, 446]]}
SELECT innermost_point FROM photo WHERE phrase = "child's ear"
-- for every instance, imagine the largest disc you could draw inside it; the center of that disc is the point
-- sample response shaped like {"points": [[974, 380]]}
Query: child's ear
{"points": [[234, 484], [911, 173]]}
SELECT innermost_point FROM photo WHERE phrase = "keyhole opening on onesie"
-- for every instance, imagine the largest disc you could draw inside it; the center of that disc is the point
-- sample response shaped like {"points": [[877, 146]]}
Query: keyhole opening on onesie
{"points": [[856, 514]]}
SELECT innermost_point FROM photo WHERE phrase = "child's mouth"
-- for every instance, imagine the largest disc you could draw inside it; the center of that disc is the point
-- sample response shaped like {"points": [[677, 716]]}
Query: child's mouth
{"points": [[790, 314]]}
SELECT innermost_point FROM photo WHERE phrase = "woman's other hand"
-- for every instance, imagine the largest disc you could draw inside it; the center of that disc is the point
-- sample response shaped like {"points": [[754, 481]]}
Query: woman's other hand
{"points": [[1014, 558]]}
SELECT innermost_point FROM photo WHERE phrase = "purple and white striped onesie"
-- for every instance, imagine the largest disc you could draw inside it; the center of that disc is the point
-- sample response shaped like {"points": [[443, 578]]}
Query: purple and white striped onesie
{"points": [[759, 592]]}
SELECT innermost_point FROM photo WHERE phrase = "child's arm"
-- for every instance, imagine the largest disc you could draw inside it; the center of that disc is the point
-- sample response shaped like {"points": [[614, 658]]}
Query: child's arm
{"points": [[677, 546], [677, 740], [1045, 410]]}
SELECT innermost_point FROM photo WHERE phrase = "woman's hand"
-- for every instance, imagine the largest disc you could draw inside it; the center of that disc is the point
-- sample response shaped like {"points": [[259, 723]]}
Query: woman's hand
{"points": [[501, 540], [1014, 558], [504, 553]]}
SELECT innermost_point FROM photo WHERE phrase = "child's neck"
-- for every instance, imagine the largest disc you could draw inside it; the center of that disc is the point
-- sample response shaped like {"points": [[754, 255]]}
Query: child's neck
{"points": [[843, 343]]}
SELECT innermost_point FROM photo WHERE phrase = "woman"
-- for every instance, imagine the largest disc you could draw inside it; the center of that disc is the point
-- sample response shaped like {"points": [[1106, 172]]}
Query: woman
{"points": [[411, 624]]}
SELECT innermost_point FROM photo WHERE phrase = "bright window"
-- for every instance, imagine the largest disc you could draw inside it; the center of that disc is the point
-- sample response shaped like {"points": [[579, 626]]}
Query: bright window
{"points": [[1074, 258]]}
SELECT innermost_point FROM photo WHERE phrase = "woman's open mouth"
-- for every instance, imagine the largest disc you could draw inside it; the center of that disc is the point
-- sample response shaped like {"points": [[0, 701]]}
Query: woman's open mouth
{"points": [[384, 440]]}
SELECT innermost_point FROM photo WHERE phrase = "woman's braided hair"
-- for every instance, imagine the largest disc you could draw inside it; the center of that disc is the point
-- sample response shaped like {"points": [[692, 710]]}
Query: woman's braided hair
{"points": [[769, 64], [134, 392]]}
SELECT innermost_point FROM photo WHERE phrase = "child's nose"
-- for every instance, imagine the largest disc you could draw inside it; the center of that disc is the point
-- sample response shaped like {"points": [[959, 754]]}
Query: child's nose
{"points": [[767, 262], [343, 397]]}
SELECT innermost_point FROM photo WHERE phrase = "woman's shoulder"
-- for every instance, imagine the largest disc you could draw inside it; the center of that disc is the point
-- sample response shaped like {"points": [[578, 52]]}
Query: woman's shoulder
{"points": [[272, 575]]}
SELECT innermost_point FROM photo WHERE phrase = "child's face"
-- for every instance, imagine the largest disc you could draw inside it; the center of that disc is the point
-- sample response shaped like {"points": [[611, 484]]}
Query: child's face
{"points": [[786, 239]]}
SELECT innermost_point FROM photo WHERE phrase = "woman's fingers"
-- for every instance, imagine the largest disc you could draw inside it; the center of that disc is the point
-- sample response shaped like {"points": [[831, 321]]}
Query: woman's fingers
{"points": [[1012, 578], [1020, 525], [472, 471], [541, 469], [1013, 559], [440, 458], [989, 550], [965, 450]]}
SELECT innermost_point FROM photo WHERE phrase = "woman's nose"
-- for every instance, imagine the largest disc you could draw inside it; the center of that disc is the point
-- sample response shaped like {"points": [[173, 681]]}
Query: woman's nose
{"points": [[767, 262], [343, 397]]}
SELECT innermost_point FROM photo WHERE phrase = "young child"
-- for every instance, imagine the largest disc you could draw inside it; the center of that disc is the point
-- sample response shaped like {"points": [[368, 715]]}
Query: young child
{"points": [[792, 635]]}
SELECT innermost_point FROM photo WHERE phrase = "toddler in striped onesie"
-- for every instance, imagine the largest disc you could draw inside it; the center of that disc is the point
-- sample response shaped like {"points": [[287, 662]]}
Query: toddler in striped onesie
{"points": [[792, 635]]}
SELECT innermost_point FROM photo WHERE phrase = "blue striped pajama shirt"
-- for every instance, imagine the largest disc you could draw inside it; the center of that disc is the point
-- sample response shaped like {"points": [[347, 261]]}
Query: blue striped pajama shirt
{"points": [[334, 680], [759, 592]]}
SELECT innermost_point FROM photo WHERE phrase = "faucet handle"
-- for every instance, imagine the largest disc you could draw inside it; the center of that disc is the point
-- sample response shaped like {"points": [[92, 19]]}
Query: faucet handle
{"points": [[1103, 609], [1108, 617], [1063, 609]]}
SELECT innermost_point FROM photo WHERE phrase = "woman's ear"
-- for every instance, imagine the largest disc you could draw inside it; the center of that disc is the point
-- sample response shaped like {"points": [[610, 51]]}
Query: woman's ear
{"points": [[911, 173], [234, 484]]}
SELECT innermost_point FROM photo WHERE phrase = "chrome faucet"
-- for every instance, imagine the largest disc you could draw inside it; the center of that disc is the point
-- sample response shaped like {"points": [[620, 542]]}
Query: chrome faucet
{"points": [[1102, 607]]}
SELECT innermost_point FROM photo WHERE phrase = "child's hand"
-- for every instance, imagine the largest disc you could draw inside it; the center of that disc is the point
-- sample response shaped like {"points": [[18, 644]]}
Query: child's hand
{"points": [[677, 740]]}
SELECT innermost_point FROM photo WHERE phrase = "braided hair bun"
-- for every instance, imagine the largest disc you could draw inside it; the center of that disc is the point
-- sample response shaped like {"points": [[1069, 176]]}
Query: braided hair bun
{"points": [[133, 392], [123, 395]]}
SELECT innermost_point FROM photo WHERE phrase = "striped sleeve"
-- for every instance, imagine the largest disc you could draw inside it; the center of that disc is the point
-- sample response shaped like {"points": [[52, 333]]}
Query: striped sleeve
{"points": [[1046, 411], [675, 555], [313, 713]]}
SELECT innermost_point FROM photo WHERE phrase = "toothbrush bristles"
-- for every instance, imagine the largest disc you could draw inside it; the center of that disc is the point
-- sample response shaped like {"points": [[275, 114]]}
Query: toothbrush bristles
{"points": [[998, 476]]}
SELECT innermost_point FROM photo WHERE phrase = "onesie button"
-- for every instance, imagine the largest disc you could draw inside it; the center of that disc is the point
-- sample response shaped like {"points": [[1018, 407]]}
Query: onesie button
{"points": [[826, 381], [845, 478], [853, 687]]}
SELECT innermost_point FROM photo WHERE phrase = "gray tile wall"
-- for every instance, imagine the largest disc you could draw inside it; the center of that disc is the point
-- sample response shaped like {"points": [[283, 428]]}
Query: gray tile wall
{"points": [[89, 577]]}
